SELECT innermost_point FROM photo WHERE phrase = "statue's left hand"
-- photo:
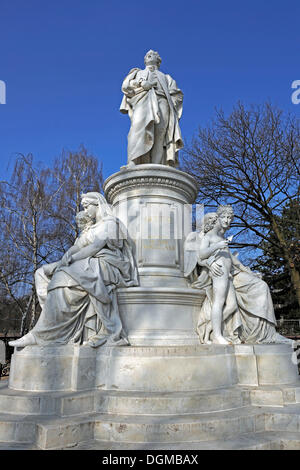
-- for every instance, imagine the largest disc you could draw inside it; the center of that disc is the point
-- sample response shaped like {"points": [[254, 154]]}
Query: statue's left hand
{"points": [[216, 270], [66, 259]]}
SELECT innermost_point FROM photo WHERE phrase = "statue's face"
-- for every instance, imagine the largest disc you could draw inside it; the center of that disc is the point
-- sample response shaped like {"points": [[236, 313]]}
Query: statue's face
{"points": [[89, 208], [225, 220], [209, 220], [151, 59]]}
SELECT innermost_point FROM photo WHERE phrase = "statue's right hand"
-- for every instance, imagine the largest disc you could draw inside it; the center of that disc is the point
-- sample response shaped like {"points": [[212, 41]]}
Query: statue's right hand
{"points": [[146, 84], [222, 244]]}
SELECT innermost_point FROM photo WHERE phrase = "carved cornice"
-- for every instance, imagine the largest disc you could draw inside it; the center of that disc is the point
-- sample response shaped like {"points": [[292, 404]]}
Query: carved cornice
{"points": [[173, 180]]}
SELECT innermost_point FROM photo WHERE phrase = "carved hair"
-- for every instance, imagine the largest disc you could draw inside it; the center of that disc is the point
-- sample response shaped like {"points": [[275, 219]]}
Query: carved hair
{"points": [[209, 221], [83, 219], [227, 209], [156, 54]]}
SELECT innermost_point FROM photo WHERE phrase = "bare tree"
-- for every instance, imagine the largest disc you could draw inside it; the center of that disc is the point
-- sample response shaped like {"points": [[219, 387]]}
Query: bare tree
{"points": [[26, 231], [37, 221], [250, 159], [73, 173]]}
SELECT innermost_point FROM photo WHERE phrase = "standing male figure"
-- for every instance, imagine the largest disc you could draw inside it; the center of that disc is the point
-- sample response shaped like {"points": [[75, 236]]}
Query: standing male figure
{"points": [[154, 105]]}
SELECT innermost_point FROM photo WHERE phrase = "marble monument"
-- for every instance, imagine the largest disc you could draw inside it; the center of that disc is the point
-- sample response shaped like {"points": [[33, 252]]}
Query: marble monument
{"points": [[151, 336]]}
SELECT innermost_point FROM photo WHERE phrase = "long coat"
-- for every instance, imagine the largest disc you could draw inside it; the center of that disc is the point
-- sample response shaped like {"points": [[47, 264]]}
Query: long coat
{"points": [[143, 110]]}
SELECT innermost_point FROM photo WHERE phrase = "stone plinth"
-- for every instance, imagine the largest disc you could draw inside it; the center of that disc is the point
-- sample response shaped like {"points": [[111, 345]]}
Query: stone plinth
{"points": [[60, 368], [151, 369], [204, 396], [163, 369], [266, 364], [154, 202], [161, 316]]}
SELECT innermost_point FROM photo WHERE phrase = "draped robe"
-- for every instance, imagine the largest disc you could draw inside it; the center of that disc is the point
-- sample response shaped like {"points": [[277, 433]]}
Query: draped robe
{"points": [[142, 107], [248, 314], [83, 294]]}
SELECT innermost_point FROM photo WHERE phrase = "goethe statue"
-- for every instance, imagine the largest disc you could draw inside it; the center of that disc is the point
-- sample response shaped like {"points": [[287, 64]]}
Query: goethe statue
{"points": [[154, 105]]}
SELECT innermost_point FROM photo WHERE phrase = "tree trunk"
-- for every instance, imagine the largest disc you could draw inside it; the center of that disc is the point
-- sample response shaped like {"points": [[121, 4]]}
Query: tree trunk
{"points": [[295, 276], [24, 316]]}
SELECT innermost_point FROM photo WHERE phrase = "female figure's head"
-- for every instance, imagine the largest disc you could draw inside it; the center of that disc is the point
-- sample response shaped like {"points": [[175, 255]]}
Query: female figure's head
{"points": [[95, 205]]}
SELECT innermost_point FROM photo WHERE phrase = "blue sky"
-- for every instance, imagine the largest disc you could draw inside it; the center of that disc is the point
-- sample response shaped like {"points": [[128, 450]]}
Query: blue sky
{"points": [[63, 62]]}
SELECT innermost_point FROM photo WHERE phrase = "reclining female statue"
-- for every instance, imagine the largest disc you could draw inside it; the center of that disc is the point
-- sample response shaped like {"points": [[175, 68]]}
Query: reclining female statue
{"points": [[80, 289], [238, 305]]}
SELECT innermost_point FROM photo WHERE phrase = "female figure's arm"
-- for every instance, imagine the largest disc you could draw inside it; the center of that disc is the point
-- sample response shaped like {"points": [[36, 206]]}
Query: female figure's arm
{"points": [[237, 263], [89, 250]]}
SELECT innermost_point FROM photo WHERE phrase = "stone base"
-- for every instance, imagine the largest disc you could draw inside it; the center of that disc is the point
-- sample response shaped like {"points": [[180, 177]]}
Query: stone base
{"points": [[165, 316], [266, 364], [151, 369], [193, 397], [230, 418]]}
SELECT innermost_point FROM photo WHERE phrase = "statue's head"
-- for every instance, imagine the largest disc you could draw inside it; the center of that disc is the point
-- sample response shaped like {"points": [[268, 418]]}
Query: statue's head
{"points": [[209, 221], [83, 220], [225, 216], [95, 204], [152, 58]]}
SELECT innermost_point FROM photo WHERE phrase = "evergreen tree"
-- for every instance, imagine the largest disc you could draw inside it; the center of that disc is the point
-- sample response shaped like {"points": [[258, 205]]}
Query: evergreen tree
{"points": [[274, 266]]}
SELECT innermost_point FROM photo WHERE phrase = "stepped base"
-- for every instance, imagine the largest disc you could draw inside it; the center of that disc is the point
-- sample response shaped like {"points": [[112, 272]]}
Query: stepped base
{"points": [[233, 421], [251, 441], [192, 397]]}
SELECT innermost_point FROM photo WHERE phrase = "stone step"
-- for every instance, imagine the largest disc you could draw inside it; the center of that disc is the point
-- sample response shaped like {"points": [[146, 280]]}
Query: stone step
{"points": [[250, 441], [79, 403], [58, 433], [179, 403], [38, 403], [17, 446], [275, 395], [182, 428], [16, 430], [139, 403], [283, 419], [46, 432]]}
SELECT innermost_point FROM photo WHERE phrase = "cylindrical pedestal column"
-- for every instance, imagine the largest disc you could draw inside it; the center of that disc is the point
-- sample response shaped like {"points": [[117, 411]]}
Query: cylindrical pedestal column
{"points": [[155, 204]]}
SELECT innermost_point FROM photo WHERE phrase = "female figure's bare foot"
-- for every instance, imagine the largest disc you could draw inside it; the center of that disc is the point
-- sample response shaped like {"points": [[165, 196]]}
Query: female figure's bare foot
{"points": [[220, 340], [27, 340]]}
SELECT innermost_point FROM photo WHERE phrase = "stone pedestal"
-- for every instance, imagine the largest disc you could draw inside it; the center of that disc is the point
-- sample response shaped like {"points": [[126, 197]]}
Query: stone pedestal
{"points": [[154, 202], [184, 397], [151, 369]]}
